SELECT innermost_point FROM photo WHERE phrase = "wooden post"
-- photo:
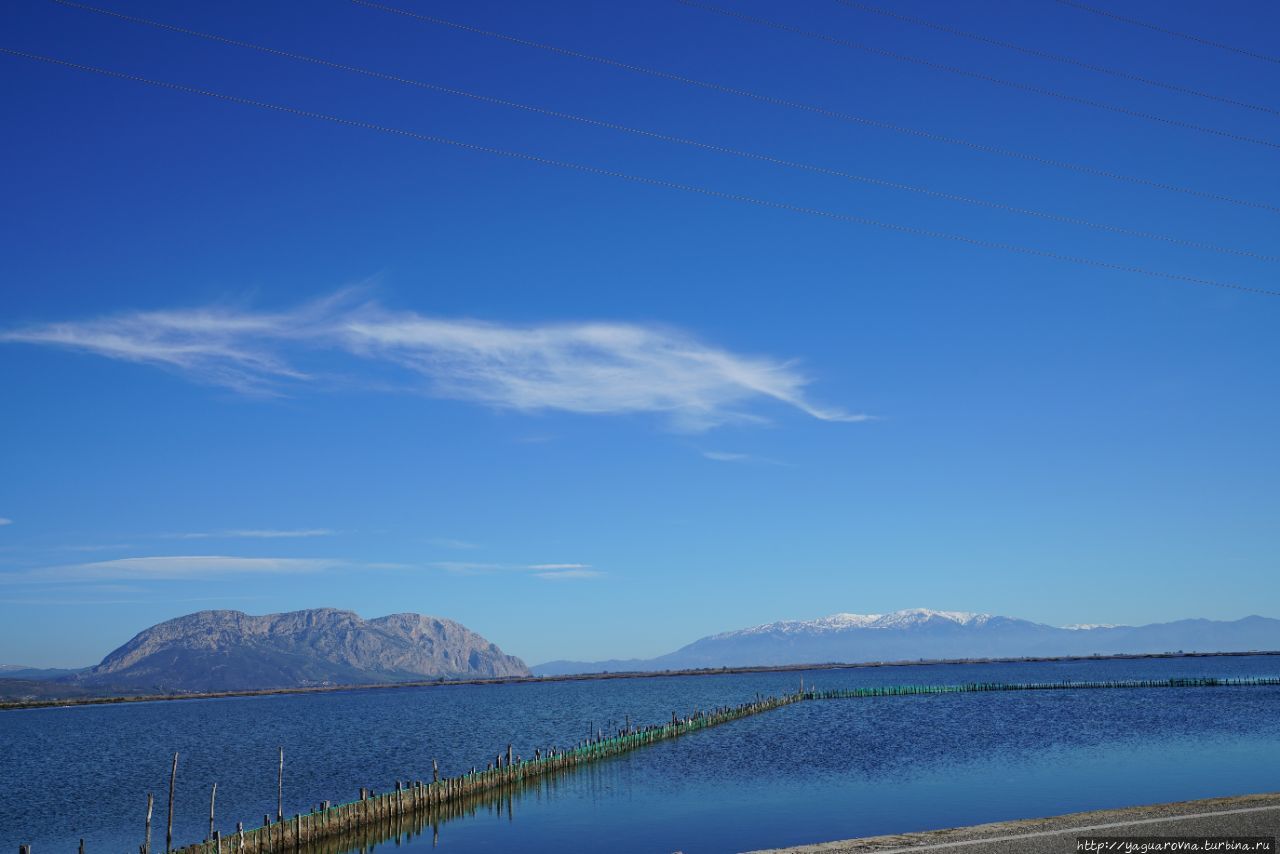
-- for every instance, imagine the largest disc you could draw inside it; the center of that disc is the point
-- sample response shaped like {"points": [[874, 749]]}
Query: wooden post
{"points": [[81, 846], [280, 788], [213, 796], [24, 849], [168, 834], [146, 849]]}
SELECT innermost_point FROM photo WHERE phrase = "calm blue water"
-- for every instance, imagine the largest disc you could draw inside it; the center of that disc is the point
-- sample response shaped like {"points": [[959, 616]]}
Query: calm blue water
{"points": [[805, 773]]}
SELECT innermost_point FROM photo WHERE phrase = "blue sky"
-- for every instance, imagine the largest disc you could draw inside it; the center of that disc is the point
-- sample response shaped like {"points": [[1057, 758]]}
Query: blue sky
{"points": [[264, 361]]}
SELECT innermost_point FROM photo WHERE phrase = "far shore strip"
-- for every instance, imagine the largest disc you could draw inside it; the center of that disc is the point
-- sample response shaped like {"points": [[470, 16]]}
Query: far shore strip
{"points": [[581, 677]]}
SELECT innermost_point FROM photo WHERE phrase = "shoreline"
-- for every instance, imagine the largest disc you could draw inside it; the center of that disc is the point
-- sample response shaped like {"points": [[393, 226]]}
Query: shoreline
{"points": [[584, 677], [1238, 815]]}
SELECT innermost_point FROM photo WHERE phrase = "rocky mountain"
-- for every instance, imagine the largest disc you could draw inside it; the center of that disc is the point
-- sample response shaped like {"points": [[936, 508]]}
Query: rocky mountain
{"points": [[232, 651], [920, 633]]}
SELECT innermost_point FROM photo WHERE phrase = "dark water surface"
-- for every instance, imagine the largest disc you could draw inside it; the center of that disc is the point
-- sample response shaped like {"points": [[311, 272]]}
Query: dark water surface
{"points": [[805, 773]]}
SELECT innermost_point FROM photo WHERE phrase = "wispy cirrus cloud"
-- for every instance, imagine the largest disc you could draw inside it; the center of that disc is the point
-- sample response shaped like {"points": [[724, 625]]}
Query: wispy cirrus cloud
{"points": [[725, 456], [569, 574], [97, 600], [4, 521], [731, 457], [463, 567], [592, 368], [173, 568], [450, 543], [217, 345], [252, 534], [545, 571]]}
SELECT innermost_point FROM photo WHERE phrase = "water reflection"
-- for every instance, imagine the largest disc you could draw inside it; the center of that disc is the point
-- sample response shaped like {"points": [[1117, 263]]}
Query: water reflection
{"points": [[430, 823]]}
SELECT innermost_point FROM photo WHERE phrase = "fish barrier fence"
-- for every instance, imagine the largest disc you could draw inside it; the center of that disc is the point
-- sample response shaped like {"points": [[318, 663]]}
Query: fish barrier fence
{"points": [[972, 687]]}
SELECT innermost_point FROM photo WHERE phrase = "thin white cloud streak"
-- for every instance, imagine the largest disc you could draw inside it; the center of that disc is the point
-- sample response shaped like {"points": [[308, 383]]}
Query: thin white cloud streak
{"points": [[222, 345], [548, 571], [4, 521], [166, 601], [569, 575], [273, 535], [725, 456], [461, 567], [593, 368], [731, 457], [169, 568], [450, 543], [254, 534]]}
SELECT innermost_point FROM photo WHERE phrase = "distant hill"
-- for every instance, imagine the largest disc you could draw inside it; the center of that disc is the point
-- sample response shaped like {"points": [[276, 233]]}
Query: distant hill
{"points": [[22, 671], [921, 633], [234, 651]]}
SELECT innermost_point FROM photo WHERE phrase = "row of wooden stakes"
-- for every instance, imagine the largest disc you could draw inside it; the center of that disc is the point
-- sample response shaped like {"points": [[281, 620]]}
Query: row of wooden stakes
{"points": [[406, 798]]}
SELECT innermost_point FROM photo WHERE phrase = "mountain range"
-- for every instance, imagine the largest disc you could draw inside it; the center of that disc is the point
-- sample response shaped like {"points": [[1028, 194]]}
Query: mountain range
{"points": [[234, 651], [920, 633], [22, 671], [213, 651]]}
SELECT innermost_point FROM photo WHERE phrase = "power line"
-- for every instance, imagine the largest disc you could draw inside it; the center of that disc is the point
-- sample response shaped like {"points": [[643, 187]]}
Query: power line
{"points": [[777, 161], [1055, 57], [647, 181], [829, 113], [1106, 13], [976, 75]]}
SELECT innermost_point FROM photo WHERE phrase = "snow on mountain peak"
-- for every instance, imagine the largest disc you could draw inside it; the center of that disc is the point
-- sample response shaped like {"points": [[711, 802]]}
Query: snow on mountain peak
{"points": [[846, 621], [840, 622], [912, 616]]}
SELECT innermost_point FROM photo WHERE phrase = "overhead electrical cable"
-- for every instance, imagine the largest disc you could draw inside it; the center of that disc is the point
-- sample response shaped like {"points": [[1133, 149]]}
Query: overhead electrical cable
{"points": [[976, 75], [1107, 13], [1055, 57], [831, 113], [647, 181], [663, 137]]}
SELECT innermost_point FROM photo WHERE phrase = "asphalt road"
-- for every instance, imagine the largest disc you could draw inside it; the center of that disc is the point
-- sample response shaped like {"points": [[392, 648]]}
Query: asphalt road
{"points": [[1249, 815]]}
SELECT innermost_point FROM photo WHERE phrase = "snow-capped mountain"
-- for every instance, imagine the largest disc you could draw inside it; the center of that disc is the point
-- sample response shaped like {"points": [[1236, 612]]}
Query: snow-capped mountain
{"points": [[841, 622], [921, 633]]}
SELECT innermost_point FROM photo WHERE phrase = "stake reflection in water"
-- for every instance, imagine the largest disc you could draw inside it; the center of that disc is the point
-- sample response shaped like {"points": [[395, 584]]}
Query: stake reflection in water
{"points": [[497, 803]]}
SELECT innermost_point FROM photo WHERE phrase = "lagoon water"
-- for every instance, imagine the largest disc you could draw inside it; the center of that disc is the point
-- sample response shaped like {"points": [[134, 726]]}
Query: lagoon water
{"points": [[804, 773]]}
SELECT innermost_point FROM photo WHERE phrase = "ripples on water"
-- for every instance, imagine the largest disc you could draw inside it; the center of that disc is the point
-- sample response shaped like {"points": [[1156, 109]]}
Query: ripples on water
{"points": [[808, 772]]}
